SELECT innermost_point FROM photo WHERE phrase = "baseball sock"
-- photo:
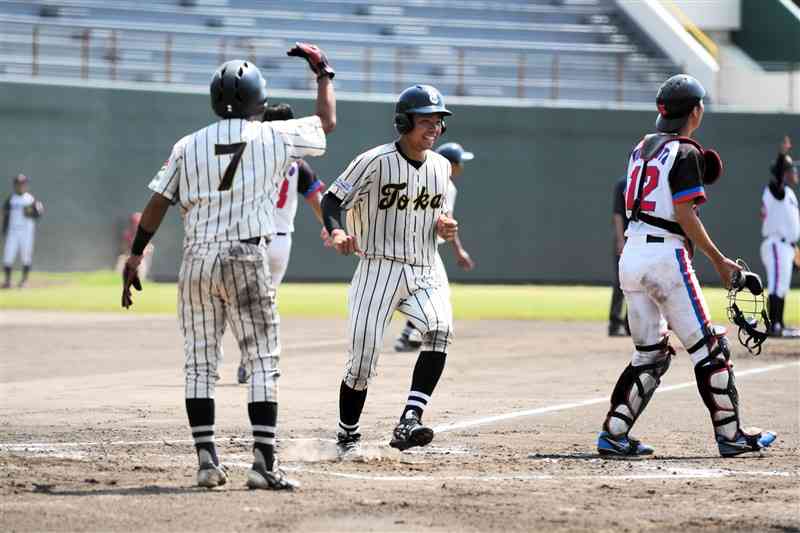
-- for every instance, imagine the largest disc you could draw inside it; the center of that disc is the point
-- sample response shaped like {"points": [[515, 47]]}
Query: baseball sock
{"points": [[263, 418], [201, 420], [7, 271], [351, 403], [26, 269], [779, 304], [427, 372]]}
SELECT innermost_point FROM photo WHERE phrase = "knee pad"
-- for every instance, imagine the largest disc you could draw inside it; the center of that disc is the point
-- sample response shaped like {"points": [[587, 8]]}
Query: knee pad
{"points": [[635, 387], [717, 386]]}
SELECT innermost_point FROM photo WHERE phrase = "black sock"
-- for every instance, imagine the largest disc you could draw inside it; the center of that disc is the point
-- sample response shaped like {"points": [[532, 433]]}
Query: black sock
{"points": [[427, 372], [201, 420], [779, 303], [7, 271], [26, 269], [263, 418], [771, 308], [351, 403]]}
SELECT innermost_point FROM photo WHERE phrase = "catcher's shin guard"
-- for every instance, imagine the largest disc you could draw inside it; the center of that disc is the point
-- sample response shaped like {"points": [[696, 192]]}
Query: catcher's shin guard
{"points": [[717, 386], [635, 387]]}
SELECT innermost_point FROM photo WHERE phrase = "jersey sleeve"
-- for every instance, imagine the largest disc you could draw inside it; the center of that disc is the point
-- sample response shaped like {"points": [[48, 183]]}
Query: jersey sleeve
{"points": [[166, 181], [307, 181], [355, 180], [686, 176], [303, 137]]}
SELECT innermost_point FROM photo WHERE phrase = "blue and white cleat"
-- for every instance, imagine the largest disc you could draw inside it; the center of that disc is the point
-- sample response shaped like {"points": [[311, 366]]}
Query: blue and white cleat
{"points": [[746, 442], [623, 446]]}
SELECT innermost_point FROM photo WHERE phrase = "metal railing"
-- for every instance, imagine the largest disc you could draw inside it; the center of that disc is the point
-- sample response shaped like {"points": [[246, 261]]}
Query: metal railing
{"points": [[141, 56]]}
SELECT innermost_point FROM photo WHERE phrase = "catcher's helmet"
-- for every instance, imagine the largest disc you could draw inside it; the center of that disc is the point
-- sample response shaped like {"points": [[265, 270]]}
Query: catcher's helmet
{"points": [[676, 99], [238, 90], [455, 153], [418, 100]]}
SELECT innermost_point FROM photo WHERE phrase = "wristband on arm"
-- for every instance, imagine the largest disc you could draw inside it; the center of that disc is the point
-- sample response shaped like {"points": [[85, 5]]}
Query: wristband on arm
{"points": [[141, 240]]}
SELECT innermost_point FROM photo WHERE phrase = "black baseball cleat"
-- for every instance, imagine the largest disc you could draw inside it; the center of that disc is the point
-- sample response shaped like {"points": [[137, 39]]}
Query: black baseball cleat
{"points": [[348, 443], [260, 478], [410, 432]]}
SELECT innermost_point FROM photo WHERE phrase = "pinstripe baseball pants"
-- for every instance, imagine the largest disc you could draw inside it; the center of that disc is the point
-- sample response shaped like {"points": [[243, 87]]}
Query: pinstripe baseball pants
{"points": [[379, 287], [228, 283]]}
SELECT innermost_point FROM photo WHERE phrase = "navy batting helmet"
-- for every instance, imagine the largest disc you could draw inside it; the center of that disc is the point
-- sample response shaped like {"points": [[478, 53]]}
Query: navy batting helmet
{"points": [[455, 153], [676, 99], [238, 90], [418, 100]]}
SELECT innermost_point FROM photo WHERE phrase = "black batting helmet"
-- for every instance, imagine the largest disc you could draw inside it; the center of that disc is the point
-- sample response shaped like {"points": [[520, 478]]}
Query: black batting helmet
{"points": [[676, 99], [455, 153], [417, 100], [238, 90]]}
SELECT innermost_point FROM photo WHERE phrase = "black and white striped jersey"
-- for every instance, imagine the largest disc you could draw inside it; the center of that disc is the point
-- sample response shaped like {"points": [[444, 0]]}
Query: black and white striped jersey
{"points": [[226, 176], [392, 205]]}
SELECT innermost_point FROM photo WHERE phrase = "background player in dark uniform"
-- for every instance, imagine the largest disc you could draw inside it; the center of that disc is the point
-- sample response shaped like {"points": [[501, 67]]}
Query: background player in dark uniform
{"points": [[617, 322]]}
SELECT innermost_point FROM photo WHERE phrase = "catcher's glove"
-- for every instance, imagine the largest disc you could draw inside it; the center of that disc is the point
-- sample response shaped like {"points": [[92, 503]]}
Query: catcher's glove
{"points": [[315, 57]]}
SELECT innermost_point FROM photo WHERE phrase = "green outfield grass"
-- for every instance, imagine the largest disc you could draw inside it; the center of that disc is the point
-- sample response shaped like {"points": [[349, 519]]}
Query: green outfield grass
{"points": [[100, 292]]}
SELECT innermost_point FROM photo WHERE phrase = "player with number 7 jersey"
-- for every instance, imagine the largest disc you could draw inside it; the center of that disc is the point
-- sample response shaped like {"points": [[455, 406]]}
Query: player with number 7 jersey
{"points": [[225, 178]]}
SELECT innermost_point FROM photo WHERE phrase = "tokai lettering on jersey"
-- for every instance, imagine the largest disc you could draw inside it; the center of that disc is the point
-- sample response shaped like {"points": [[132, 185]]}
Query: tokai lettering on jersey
{"points": [[392, 193]]}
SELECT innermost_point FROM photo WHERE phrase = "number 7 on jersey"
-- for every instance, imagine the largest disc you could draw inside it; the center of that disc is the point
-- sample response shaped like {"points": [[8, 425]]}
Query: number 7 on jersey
{"points": [[237, 149]]}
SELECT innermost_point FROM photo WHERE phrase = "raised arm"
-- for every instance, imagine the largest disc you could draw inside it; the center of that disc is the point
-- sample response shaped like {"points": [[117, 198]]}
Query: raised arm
{"points": [[326, 99]]}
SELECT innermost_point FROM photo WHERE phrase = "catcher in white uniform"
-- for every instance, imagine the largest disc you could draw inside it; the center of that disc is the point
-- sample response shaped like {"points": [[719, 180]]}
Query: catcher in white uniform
{"points": [[781, 231], [225, 177], [299, 179], [667, 175], [410, 338], [394, 197], [20, 213]]}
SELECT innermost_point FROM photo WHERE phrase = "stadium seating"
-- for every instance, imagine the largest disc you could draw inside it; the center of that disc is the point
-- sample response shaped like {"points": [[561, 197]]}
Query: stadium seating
{"points": [[567, 50]]}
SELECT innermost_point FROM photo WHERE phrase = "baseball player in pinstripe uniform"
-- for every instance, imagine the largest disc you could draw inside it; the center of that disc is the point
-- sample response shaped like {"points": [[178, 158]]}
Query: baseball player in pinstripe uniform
{"points": [[299, 179], [409, 339], [394, 196], [225, 177]]}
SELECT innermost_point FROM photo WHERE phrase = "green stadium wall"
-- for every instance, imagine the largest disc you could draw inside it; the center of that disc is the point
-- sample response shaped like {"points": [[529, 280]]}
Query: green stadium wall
{"points": [[534, 205]]}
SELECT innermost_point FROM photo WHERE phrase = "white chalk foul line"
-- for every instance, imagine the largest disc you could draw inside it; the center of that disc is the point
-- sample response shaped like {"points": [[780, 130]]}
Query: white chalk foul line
{"points": [[574, 405]]}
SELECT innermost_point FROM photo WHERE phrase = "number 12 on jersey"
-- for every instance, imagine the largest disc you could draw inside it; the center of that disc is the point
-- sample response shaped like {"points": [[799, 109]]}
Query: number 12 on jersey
{"points": [[650, 184]]}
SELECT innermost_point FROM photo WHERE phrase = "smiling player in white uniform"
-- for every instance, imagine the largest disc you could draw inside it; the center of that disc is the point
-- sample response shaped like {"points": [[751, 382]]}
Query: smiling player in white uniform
{"points": [[394, 196], [781, 231], [667, 175], [225, 177], [410, 339]]}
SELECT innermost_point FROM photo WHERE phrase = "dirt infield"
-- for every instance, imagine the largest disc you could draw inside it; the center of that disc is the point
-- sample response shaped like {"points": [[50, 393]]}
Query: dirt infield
{"points": [[93, 436]]}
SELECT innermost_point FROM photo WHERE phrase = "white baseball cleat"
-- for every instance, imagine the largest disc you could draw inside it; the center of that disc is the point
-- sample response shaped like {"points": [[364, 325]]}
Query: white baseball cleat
{"points": [[210, 475]]}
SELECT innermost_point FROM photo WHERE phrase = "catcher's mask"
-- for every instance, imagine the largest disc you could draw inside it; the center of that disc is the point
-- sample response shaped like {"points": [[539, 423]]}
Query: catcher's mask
{"points": [[746, 307]]}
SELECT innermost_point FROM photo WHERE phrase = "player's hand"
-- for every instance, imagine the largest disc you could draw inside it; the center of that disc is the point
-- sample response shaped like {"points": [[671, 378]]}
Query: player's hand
{"points": [[345, 244], [446, 227], [464, 260], [786, 145], [130, 277], [327, 242], [316, 58], [726, 268]]}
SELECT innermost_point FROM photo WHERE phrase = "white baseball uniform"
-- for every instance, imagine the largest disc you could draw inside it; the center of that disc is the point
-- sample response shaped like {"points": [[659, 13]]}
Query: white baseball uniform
{"points": [[392, 208], [20, 229], [441, 271], [781, 232], [225, 178], [299, 179], [656, 272]]}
